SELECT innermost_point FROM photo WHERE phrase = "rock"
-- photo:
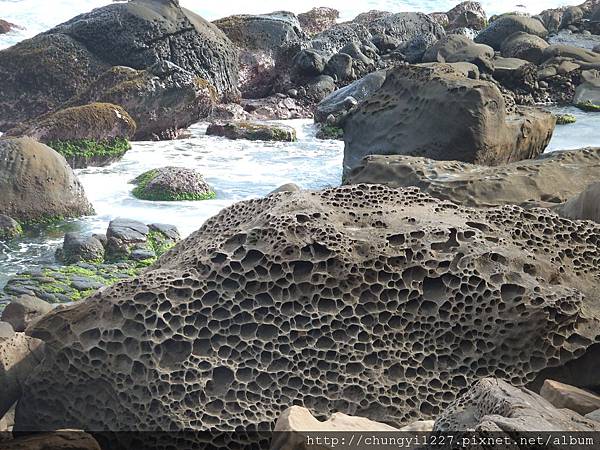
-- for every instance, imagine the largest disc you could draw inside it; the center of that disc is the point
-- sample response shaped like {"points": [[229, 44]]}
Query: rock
{"points": [[296, 424], [254, 299], [436, 112], [467, 15], [172, 184], [584, 206], [551, 18], [577, 54], [320, 87], [124, 236], [79, 248], [549, 180], [37, 184], [23, 311], [41, 74], [9, 228], [339, 67], [594, 415], [19, 355], [420, 426], [415, 49], [573, 15], [6, 27], [228, 112], [524, 46], [90, 135], [318, 20], [309, 62], [289, 187], [565, 119], [170, 232], [276, 108], [337, 102], [6, 331], [252, 131], [493, 405], [57, 440], [455, 48], [566, 396], [502, 28], [589, 89], [163, 100]]}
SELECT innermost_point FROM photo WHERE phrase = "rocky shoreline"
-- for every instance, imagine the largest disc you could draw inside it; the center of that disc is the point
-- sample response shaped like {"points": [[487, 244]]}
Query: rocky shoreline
{"points": [[449, 285]]}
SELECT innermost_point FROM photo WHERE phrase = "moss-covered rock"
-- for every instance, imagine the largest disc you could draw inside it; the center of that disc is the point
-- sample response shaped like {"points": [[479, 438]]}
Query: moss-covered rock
{"points": [[252, 131], [588, 106], [565, 119], [9, 228], [330, 132], [172, 184], [81, 153]]}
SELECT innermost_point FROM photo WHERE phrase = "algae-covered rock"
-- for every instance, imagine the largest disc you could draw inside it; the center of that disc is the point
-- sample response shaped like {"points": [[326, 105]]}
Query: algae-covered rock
{"points": [[172, 184], [9, 228], [252, 131]]}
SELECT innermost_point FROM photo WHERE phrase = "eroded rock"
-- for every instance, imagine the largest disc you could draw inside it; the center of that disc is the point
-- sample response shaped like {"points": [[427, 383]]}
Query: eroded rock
{"points": [[500, 29], [565, 396], [252, 131], [172, 184], [23, 311]]}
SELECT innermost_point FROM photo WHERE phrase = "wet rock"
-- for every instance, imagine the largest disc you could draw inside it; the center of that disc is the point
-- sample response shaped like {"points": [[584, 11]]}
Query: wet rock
{"points": [[494, 405], [172, 184], [318, 20], [566, 396], [549, 180], [163, 100], [276, 108], [41, 74], [6, 27], [228, 112], [252, 131], [421, 111], [57, 440], [525, 46], [37, 184], [23, 311], [500, 29], [92, 135], [455, 48], [9, 228], [80, 248], [467, 15], [460, 264]]}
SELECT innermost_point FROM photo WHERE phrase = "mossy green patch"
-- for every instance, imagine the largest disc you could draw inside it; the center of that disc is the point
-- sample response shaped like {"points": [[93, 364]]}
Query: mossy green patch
{"points": [[90, 148], [142, 192], [588, 106], [565, 119], [330, 132], [11, 233]]}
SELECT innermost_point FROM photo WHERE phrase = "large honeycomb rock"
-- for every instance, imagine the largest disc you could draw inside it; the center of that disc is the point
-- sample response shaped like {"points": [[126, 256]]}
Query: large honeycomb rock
{"points": [[364, 300]]}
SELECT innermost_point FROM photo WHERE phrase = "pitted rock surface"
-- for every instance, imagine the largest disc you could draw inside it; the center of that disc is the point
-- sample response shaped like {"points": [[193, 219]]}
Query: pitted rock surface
{"points": [[364, 300]]}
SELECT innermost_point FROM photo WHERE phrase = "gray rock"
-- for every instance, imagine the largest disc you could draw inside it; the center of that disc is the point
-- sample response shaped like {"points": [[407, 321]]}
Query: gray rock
{"points": [[566, 396], [309, 62], [456, 48], [577, 54], [127, 230], [172, 184], [495, 34], [320, 87], [169, 231], [79, 248], [594, 415], [24, 310], [524, 46], [289, 187], [142, 254], [318, 19], [9, 228], [339, 67], [589, 89], [6, 330], [467, 15], [573, 15], [253, 131], [415, 49]]}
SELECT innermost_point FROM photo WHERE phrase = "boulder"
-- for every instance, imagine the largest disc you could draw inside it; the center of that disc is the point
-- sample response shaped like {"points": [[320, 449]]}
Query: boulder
{"points": [[6, 27], [589, 89], [339, 67], [57, 440], [524, 46], [549, 180], [172, 184], [583, 206], [318, 20], [9, 228], [40, 74], [378, 291], [456, 48], [90, 135], [566, 396], [123, 236], [493, 405], [37, 184], [6, 330], [309, 62], [572, 16], [467, 15], [274, 107], [288, 187], [252, 131], [23, 311], [414, 50], [19, 356], [80, 248], [577, 54], [551, 18], [163, 100], [497, 32], [437, 112]]}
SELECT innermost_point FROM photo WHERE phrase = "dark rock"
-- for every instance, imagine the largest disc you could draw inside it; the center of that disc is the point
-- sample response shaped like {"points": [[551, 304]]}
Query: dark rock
{"points": [[589, 89], [79, 248], [455, 48], [495, 34], [6, 27], [309, 62], [252, 131], [577, 54], [318, 19], [467, 15], [127, 230], [228, 112], [339, 67], [493, 405], [319, 87], [172, 184], [9, 228], [37, 184], [142, 254], [573, 15], [169, 231], [277, 108], [415, 49], [552, 18], [436, 112], [24, 310], [525, 46]]}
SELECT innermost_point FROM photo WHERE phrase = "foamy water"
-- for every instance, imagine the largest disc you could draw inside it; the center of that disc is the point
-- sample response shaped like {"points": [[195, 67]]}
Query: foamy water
{"points": [[39, 15]]}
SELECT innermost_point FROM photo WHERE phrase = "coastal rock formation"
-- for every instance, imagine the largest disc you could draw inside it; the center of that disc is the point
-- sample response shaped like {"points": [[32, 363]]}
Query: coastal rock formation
{"points": [[345, 300], [9, 228], [318, 20], [172, 184], [435, 111], [565, 396], [253, 131], [23, 311], [505, 26], [40, 74], [494, 405], [588, 92], [549, 180], [525, 46], [57, 440], [467, 15], [6, 26], [455, 48], [37, 184]]}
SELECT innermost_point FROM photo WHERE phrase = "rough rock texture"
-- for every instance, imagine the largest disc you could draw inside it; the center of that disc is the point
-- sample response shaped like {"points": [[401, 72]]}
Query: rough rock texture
{"points": [[252, 131], [494, 405], [584, 206], [57, 440], [19, 355], [5, 26], [437, 112], [344, 300], [500, 29], [40, 74], [551, 179], [566, 396], [37, 184], [467, 15], [23, 311], [163, 100], [318, 19], [9, 228], [79, 248], [172, 184], [456, 48], [525, 46], [577, 54]]}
